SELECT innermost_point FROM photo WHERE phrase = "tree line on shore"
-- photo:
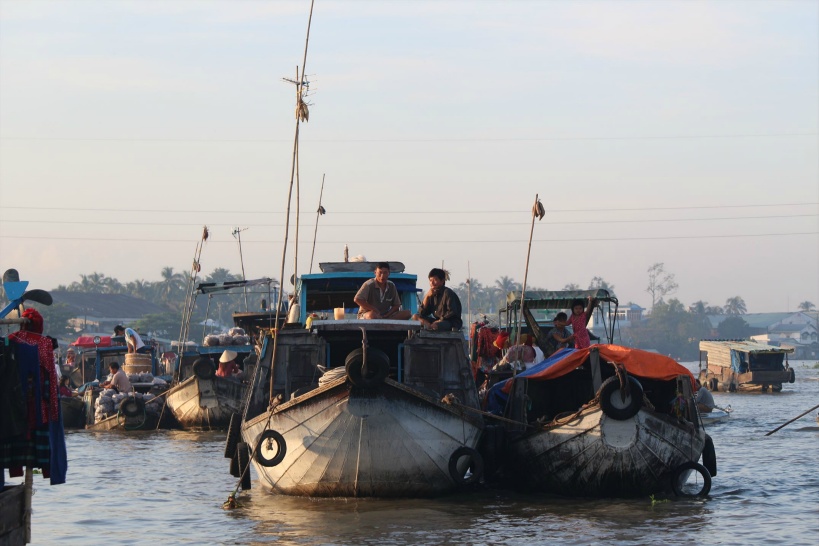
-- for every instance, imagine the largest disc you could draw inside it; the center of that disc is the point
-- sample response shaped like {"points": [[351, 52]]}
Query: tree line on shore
{"points": [[670, 327]]}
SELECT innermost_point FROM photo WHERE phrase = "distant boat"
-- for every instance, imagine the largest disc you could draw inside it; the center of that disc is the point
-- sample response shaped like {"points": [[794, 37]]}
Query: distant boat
{"points": [[717, 415], [738, 365]]}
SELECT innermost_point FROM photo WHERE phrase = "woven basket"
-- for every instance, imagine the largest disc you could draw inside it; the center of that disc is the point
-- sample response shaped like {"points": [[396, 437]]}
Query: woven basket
{"points": [[137, 363]]}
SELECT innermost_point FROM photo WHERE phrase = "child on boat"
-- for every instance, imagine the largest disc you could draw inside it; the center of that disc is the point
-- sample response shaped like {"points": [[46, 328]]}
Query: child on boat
{"points": [[578, 321]]}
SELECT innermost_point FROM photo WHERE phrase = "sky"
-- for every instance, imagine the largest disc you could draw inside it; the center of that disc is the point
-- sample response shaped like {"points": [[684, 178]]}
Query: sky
{"points": [[685, 133]]}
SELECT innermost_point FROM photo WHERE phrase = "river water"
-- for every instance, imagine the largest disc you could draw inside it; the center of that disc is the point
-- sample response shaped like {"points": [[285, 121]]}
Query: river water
{"points": [[167, 487]]}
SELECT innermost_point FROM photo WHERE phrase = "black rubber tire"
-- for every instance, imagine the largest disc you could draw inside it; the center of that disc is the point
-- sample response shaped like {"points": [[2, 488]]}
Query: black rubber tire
{"points": [[611, 403], [791, 375], [714, 384], [234, 466], [132, 407], [475, 465], [234, 434], [378, 367], [203, 368], [243, 456], [709, 456], [281, 448], [697, 467]]}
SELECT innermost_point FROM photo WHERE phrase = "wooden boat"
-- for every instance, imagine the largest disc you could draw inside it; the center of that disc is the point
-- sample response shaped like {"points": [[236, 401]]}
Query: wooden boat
{"points": [[205, 401], [200, 400], [15, 525], [601, 421], [73, 409], [743, 366], [717, 415], [92, 369], [380, 428]]}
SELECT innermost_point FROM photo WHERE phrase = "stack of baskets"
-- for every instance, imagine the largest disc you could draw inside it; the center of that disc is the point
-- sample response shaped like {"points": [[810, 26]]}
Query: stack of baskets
{"points": [[137, 363]]}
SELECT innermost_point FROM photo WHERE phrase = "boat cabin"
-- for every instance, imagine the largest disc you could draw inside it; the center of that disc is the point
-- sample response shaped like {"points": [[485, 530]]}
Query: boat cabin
{"points": [[432, 363]]}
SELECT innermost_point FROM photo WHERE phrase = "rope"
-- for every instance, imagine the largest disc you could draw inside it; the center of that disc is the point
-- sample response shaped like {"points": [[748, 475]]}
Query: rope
{"points": [[231, 502], [451, 400]]}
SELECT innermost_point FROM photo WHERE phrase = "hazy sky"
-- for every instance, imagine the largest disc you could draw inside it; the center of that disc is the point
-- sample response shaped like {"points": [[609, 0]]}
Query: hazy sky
{"points": [[677, 132]]}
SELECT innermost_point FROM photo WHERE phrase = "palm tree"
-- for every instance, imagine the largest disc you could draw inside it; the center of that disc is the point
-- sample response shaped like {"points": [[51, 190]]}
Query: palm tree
{"points": [[698, 307], [735, 306], [171, 284], [599, 282], [806, 306]]}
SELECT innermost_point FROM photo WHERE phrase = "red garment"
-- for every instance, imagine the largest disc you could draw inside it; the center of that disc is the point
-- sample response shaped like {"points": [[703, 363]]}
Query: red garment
{"points": [[48, 373], [581, 335], [227, 369]]}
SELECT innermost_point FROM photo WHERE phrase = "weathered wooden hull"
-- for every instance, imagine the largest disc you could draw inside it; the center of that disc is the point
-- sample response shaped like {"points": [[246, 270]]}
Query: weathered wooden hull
{"points": [[597, 456], [723, 379], [341, 442], [73, 410], [121, 422], [12, 515], [205, 404]]}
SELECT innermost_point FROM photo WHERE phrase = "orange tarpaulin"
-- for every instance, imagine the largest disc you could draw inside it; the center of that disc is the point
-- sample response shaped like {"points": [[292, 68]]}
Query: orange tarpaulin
{"points": [[636, 362]]}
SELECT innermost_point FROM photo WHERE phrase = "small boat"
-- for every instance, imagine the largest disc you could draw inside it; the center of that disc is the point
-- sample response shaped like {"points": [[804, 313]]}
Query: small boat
{"points": [[73, 409], [361, 408], [605, 420], [744, 366], [717, 415], [200, 400], [101, 412]]}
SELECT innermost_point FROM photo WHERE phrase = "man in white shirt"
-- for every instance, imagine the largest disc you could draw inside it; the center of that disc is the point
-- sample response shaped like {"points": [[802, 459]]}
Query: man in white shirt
{"points": [[132, 339]]}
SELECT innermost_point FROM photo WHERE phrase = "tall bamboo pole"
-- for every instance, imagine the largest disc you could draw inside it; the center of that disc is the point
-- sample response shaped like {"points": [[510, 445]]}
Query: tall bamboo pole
{"points": [[319, 212], [299, 90], [537, 212]]}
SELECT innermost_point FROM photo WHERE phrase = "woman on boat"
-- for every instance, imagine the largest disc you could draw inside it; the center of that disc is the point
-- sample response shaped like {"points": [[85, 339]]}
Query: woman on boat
{"points": [[228, 366], [65, 389]]}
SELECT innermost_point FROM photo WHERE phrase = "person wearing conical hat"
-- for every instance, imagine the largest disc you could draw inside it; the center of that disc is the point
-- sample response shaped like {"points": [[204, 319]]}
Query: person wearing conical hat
{"points": [[228, 366]]}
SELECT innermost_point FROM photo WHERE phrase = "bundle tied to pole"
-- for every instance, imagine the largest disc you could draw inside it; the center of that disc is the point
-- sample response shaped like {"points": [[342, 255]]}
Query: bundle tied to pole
{"points": [[537, 212]]}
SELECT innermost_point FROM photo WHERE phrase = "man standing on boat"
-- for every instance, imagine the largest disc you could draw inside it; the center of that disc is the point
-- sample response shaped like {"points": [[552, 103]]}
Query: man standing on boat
{"points": [[441, 309], [378, 298], [132, 339]]}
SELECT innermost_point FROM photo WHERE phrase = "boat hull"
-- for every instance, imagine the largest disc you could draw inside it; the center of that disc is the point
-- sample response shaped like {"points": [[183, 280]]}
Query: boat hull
{"points": [[342, 442], [205, 404], [73, 412], [13, 523], [121, 422], [595, 455]]}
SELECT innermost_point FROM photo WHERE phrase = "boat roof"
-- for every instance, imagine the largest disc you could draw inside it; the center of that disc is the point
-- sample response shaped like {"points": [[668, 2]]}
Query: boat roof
{"points": [[637, 362], [743, 346], [352, 280], [87, 342], [208, 287], [557, 299], [369, 267]]}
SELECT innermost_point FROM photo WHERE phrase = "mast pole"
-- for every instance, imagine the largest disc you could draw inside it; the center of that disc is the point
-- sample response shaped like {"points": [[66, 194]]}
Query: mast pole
{"points": [[301, 112], [537, 212], [319, 212]]}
